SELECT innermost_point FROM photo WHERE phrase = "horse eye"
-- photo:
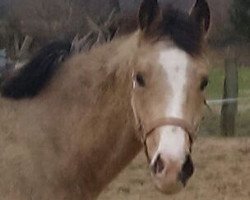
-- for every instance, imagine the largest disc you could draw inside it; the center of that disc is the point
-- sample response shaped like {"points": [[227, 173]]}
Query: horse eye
{"points": [[140, 80], [204, 84]]}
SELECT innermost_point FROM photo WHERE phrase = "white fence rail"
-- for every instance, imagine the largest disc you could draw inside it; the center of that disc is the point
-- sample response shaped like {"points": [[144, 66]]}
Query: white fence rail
{"points": [[221, 101]]}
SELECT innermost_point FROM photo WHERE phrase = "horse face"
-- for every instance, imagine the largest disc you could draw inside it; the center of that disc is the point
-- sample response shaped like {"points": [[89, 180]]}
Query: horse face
{"points": [[168, 97], [169, 79]]}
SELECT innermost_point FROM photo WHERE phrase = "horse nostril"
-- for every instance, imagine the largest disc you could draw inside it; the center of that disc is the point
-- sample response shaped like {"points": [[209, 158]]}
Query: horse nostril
{"points": [[187, 170], [157, 166]]}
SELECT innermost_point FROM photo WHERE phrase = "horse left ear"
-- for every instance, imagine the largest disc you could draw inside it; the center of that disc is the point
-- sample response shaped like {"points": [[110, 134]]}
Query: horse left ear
{"points": [[149, 14], [201, 14]]}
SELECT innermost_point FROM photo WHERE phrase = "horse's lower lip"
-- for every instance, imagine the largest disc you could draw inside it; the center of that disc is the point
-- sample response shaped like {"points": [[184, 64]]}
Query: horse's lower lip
{"points": [[167, 183], [171, 189]]}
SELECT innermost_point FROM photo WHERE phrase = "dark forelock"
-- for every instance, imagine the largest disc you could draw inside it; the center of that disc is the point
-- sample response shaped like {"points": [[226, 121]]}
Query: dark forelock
{"points": [[182, 30]]}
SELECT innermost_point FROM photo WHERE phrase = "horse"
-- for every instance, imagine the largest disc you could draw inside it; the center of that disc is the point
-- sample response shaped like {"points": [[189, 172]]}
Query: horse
{"points": [[70, 124]]}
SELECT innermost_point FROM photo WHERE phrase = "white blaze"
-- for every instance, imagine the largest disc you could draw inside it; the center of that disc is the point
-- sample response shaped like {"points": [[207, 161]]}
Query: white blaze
{"points": [[172, 139], [175, 63]]}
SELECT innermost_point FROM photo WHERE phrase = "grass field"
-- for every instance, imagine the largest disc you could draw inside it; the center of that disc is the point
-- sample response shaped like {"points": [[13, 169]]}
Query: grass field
{"points": [[222, 173]]}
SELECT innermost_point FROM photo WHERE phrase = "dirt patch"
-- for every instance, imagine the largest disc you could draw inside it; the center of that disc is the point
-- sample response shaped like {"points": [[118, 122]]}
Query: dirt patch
{"points": [[222, 173]]}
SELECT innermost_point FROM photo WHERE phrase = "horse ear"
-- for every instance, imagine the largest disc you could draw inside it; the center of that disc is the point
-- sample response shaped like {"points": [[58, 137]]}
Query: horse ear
{"points": [[201, 14], [148, 14]]}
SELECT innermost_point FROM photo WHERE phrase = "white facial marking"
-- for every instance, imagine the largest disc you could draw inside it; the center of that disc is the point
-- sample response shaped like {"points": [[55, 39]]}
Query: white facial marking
{"points": [[175, 63], [172, 143], [172, 139]]}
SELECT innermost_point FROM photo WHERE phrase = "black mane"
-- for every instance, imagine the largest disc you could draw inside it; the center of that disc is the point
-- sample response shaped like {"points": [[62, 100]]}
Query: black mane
{"points": [[32, 77], [182, 29]]}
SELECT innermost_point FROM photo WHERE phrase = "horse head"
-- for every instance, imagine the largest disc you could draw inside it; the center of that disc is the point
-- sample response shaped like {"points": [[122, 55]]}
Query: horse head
{"points": [[169, 79]]}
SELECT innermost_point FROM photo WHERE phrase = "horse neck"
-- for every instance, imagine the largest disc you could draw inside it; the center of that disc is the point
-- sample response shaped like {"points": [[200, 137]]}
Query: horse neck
{"points": [[102, 139], [116, 142]]}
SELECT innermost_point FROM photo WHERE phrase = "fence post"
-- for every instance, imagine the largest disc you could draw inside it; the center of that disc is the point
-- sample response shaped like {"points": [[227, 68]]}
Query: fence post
{"points": [[229, 109]]}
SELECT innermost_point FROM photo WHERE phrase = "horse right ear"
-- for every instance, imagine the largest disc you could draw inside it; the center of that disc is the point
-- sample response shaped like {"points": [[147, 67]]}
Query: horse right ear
{"points": [[149, 14], [201, 14]]}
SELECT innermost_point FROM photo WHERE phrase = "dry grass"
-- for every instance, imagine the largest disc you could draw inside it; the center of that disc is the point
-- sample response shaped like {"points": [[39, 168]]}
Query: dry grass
{"points": [[222, 173]]}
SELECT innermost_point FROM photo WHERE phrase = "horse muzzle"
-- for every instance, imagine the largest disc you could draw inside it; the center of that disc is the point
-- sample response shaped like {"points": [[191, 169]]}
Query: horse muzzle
{"points": [[169, 176]]}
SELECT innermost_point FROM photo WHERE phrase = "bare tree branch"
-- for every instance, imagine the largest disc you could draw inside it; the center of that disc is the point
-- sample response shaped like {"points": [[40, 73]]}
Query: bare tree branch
{"points": [[99, 34], [24, 51]]}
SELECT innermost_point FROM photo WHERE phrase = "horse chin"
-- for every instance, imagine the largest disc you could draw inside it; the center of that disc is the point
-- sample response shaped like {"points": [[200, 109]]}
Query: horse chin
{"points": [[166, 187]]}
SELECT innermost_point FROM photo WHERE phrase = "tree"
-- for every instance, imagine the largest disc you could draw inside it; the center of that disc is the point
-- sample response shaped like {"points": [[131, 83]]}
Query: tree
{"points": [[240, 17], [47, 19], [115, 4], [3, 8], [36, 22], [50, 19]]}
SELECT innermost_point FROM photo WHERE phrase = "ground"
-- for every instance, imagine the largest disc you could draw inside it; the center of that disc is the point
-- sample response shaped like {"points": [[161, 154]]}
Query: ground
{"points": [[222, 173]]}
